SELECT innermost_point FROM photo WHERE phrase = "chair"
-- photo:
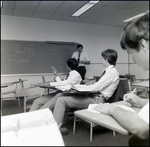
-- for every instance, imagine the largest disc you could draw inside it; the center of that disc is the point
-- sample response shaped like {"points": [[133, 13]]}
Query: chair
{"points": [[47, 90], [123, 87], [28, 98], [70, 111], [11, 94]]}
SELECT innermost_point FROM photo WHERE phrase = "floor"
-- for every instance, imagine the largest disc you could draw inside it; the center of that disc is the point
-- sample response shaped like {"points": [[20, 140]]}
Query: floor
{"points": [[101, 136]]}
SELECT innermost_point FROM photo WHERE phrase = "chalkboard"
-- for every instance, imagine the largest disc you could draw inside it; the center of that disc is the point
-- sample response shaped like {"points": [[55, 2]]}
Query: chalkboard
{"points": [[30, 57]]}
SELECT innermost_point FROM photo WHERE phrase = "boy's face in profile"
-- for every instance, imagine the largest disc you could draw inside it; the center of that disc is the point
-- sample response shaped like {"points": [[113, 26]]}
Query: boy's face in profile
{"points": [[103, 61], [141, 57]]}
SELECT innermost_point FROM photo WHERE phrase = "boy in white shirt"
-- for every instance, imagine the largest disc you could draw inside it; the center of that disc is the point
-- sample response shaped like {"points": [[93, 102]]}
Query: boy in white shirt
{"points": [[74, 77], [106, 86]]}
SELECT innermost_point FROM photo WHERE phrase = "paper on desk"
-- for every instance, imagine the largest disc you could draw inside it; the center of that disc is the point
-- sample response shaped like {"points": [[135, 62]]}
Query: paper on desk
{"points": [[91, 106], [126, 107], [64, 87], [81, 87]]}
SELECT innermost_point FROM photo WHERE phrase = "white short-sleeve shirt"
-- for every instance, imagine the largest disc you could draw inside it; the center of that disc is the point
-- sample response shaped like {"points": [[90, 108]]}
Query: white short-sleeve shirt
{"points": [[73, 78], [83, 57]]}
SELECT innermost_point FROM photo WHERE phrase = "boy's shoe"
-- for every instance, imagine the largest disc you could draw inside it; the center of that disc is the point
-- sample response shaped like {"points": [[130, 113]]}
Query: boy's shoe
{"points": [[64, 130]]}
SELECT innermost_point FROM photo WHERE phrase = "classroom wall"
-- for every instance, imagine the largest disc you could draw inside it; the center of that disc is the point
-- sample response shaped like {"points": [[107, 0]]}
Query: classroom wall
{"points": [[95, 38]]}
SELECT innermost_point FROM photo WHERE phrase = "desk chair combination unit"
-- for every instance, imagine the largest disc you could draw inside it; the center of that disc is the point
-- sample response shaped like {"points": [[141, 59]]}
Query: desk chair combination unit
{"points": [[92, 118], [28, 98], [10, 94]]}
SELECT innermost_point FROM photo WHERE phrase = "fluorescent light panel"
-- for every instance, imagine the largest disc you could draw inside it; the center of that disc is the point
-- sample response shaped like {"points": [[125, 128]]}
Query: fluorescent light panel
{"points": [[85, 8], [136, 16], [1, 4]]}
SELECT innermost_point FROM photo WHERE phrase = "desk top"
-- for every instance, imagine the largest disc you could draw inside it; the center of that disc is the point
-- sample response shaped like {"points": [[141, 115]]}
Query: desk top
{"points": [[142, 84], [45, 85], [36, 128], [104, 120], [10, 83]]}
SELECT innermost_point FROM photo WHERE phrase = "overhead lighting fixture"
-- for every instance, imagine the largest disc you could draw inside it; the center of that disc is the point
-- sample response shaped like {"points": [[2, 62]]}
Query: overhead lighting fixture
{"points": [[85, 8], [136, 16]]}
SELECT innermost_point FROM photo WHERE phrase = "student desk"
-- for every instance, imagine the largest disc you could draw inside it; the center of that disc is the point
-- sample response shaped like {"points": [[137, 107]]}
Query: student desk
{"points": [[142, 84], [36, 128], [4, 85], [101, 119], [46, 85]]}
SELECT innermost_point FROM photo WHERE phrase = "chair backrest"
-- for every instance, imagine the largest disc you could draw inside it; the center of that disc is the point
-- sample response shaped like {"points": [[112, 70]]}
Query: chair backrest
{"points": [[123, 87], [21, 84], [43, 79]]}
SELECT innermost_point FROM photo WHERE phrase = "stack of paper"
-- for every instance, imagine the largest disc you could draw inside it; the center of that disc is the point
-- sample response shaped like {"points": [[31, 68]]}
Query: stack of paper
{"points": [[81, 87]]}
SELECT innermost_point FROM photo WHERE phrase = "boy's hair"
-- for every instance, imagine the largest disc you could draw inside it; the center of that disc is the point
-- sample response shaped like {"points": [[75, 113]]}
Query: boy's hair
{"points": [[135, 30], [110, 55], [72, 63], [79, 45]]}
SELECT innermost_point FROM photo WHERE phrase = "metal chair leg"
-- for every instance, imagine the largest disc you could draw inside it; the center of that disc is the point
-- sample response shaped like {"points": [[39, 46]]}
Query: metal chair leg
{"points": [[91, 131], [74, 125]]}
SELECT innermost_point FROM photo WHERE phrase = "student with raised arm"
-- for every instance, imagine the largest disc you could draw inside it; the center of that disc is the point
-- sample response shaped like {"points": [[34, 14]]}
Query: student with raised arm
{"points": [[106, 86], [82, 58], [134, 39], [73, 77]]}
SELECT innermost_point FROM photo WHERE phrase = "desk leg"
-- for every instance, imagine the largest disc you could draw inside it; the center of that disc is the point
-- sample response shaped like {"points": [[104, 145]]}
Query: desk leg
{"points": [[114, 133], [1, 103], [74, 125]]}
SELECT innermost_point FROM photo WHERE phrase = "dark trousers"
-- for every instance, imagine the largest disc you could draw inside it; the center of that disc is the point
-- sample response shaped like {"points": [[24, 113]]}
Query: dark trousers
{"points": [[82, 71], [135, 141]]}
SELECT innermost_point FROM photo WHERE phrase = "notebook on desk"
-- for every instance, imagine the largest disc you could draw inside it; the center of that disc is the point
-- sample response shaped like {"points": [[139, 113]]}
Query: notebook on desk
{"points": [[81, 89]]}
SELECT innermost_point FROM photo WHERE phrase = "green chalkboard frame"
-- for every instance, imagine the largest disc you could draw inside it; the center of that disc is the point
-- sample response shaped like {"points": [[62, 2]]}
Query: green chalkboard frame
{"points": [[33, 57]]}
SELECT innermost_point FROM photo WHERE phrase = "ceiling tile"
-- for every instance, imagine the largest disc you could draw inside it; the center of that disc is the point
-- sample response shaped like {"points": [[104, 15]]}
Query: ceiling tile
{"points": [[58, 17], [103, 12], [26, 5], [74, 19], [9, 4], [41, 15], [120, 4], [87, 20], [6, 11], [49, 6], [138, 5], [119, 14], [69, 7], [103, 21], [23, 13]]}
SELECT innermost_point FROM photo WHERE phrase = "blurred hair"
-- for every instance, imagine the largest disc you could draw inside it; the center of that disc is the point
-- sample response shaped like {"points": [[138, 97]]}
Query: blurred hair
{"points": [[135, 30], [72, 63], [79, 45]]}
